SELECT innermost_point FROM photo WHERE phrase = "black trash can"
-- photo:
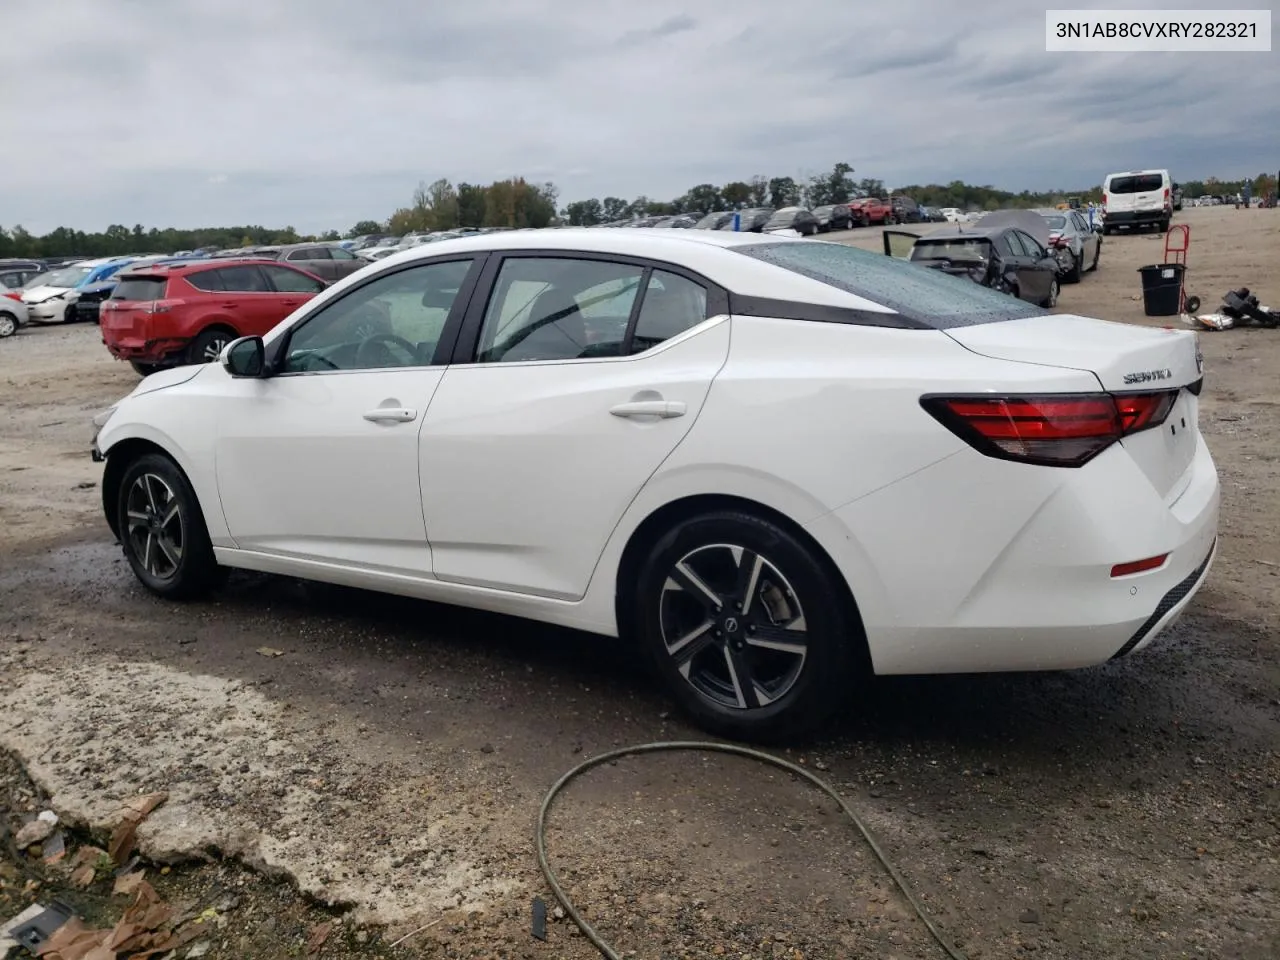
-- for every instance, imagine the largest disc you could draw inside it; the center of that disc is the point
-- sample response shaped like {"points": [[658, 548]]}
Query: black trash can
{"points": [[1162, 288]]}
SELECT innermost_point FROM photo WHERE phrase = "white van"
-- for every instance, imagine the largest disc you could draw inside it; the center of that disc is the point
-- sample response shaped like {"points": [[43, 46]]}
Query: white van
{"points": [[1138, 198]]}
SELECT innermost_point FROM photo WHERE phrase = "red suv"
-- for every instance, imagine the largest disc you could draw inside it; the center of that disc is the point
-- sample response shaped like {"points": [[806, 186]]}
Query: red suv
{"points": [[167, 315]]}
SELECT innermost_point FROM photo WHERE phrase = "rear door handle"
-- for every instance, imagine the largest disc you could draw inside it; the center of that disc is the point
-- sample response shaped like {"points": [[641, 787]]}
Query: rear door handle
{"points": [[391, 415], [230, 306], [664, 409]]}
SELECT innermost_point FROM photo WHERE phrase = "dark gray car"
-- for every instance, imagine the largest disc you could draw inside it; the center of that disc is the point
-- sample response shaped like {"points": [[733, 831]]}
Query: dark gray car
{"points": [[328, 261]]}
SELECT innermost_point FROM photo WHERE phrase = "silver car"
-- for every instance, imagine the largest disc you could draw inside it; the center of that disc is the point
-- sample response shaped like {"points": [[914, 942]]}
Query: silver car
{"points": [[1076, 245], [13, 315]]}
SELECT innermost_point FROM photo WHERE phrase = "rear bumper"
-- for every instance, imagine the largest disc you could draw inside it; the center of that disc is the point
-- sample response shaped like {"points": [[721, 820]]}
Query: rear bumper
{"points": [[1133, 217], [160, 351], [974, 565]]}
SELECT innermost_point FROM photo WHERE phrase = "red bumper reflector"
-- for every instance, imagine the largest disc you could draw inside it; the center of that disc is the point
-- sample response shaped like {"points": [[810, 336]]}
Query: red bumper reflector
{"points": [[1139, 566]]}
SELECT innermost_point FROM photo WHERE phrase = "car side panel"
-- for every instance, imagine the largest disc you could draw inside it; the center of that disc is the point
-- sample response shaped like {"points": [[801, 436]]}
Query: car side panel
{"points": [[766, 431]]}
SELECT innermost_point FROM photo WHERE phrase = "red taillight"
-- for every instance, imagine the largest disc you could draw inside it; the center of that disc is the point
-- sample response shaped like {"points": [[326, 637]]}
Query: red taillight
{"points": [[1139, 566], [1055, 430], [14, 296], [1166, 193], [160, 306]]}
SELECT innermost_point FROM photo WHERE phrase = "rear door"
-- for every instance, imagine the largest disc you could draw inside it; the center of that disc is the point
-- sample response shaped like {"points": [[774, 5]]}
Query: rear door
{"points": [[245, 295], [1033, 280], [574, 380]]}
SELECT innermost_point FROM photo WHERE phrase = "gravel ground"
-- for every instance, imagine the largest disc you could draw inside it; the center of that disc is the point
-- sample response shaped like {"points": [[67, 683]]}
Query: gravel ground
{"points": [[387, 767]]}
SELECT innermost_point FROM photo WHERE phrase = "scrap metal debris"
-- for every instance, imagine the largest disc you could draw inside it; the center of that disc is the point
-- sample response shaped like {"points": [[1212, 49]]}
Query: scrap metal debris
{"points": [[270, 652], [1240, 308]]}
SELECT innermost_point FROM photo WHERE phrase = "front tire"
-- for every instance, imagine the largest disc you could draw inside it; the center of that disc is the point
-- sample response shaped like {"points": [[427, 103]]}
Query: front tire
{"points": [[144, 369], [751, 634], [162, 530], [8, 325]]}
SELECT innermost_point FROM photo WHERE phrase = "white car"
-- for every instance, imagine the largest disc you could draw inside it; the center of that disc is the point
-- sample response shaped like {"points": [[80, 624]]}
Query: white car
{"points": [[13, 315], [770, 462]]}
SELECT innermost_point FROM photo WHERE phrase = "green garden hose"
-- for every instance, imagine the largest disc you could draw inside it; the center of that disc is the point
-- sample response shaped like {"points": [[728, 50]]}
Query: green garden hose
{"points": [[609, 952]]}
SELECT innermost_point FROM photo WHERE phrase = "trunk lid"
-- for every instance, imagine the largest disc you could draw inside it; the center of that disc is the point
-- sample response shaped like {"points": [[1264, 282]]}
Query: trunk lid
{"points": [[1125, 358]]}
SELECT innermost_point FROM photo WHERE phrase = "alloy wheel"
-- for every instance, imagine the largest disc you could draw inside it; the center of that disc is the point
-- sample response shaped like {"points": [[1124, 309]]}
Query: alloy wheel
{"points": [[8, 326], [733, 626], [155, 531], [213, 349]]}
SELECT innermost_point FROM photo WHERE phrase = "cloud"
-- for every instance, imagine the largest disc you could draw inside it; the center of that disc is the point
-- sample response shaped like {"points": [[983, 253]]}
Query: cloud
{"points": [[250, 112], [667, 28]]}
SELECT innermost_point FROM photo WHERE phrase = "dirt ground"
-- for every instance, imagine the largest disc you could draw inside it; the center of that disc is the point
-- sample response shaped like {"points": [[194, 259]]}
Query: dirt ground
{"points": [[385, 770]]}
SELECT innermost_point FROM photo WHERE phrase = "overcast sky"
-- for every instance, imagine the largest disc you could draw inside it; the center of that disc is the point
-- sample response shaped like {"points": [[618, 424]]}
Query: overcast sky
{"points": [[319, 113]]}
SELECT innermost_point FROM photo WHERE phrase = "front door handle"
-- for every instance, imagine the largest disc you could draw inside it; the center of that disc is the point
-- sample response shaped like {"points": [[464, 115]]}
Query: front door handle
{"points": [[664, 409], [391, 415]]}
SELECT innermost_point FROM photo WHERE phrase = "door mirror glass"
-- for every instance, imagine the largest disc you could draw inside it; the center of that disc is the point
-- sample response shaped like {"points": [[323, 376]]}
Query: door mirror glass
{"points": [[244, 357]]}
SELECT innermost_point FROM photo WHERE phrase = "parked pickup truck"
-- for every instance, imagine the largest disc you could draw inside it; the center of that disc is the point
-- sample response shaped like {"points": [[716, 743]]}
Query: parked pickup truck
{"points": [[873, 210]]}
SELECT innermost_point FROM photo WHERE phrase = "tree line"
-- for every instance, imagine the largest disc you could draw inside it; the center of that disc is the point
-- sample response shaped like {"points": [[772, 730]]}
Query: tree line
{"points": [[515, 202]]}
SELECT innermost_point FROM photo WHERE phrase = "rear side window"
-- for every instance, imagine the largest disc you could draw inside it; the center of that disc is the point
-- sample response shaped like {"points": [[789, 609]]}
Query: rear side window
{"points": [[144, 289], [915, 291], [207, 280], [1144, 183]]}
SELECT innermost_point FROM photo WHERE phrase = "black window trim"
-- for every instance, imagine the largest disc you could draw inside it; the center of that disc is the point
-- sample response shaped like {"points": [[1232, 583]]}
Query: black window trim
{"points": [[468, 340], [445, 346]]}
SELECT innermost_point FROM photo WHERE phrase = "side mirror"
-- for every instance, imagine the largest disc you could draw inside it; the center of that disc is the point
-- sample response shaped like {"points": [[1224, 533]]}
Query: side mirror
{"points": [[244, 357]]}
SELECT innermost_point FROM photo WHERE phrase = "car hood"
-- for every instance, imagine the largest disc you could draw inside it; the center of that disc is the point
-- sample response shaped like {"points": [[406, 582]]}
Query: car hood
{"points": [[172, 377], [41, 294]]}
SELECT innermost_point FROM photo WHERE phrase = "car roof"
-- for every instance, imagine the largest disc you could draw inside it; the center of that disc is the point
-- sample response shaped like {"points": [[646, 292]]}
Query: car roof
{"points": [[710, 253], [190, 266]]}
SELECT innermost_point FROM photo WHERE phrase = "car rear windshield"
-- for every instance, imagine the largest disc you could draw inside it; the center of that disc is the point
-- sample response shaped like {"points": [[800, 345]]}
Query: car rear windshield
{"points": [[1056, 223], [915, 291], [143, 289], [1144, 183]]}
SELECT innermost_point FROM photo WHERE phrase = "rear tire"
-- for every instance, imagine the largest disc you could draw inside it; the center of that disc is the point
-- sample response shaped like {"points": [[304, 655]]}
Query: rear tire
{"points": [[208, 344], [144, 369], [769, 653], [162, 530], [1051, 301]]}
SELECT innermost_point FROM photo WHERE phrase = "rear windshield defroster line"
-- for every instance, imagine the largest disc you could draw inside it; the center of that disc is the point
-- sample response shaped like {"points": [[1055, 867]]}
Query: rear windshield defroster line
{"points": [[921, 297]]}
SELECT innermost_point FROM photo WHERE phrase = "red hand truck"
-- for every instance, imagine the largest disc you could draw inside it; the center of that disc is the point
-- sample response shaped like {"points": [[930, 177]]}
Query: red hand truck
{"points": [[1176, 244]]}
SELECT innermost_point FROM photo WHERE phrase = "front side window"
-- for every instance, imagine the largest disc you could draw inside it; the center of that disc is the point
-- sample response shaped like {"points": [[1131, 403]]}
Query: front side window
{"points": [[285, 280], [557, 308], [393, 321]]}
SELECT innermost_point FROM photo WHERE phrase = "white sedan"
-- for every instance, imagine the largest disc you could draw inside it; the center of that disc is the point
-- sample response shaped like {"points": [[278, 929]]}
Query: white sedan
{"points": [[772, 463]]}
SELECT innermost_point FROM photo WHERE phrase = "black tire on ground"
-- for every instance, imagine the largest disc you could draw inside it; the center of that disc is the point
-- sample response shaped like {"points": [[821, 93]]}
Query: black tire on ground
{"points": [[701, 644], [1097, 255], [208, 344], [1051, 301], [143, 369], [1164, 226], [162, 530], [1192, 304]]}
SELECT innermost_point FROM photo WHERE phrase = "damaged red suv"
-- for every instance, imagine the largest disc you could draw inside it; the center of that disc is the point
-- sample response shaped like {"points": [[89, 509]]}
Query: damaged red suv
{"points": [[166, 315]]}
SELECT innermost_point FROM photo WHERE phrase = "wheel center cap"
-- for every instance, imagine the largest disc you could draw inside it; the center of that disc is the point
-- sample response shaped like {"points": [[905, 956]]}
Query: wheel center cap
{"points": [[731, 625]]}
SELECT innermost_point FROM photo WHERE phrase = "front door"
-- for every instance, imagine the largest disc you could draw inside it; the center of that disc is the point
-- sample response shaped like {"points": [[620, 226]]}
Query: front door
{"points": [[319, 462], [584, 375], [899, 243]]}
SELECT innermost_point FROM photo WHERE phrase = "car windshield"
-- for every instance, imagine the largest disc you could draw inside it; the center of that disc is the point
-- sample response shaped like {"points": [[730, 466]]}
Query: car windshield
{"points": [[913, 290], [973, 250], [66, 277]]}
